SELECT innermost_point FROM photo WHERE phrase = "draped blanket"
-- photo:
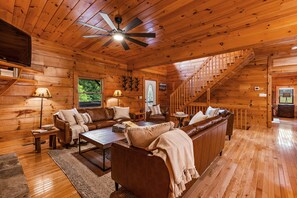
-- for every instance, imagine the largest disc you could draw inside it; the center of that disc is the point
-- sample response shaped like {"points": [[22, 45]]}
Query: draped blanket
{"points": [[176, 149], [76, 130]]}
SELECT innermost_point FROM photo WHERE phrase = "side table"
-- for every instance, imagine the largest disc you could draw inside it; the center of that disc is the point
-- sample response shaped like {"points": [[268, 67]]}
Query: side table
{"points": [[138, 116], [52, 138], [180, 118]]}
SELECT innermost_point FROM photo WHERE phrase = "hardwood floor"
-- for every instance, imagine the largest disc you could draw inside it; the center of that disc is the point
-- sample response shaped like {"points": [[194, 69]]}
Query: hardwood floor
{"points": [[259, 162]]}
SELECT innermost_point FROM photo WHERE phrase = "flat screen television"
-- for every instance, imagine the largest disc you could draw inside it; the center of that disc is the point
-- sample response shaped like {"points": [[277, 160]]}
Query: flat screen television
{"points": [[15, 45]]}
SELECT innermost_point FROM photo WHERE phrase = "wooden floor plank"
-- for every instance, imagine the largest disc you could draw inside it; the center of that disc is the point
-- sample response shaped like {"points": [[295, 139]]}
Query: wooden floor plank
{"points": [[259, 162]]}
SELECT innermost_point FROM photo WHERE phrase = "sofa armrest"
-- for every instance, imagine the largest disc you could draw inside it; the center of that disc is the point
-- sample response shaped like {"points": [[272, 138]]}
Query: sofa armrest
{"points": [[138, 171], [64, 133]]}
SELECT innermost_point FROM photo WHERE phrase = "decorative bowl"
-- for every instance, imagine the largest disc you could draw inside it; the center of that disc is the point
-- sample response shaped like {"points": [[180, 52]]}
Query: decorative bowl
{"points": [[47, 126]]}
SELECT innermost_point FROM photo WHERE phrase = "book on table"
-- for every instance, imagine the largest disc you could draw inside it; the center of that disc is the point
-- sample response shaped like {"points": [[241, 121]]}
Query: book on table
{"points": [[39, 131]]}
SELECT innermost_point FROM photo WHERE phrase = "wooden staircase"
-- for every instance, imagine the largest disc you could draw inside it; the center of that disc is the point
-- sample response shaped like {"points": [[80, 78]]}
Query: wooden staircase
{"points": [[212, 73]]}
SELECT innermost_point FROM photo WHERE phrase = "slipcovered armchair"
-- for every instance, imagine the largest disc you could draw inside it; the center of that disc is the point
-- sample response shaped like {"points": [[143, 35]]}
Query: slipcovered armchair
{"points": [[158, 118]]}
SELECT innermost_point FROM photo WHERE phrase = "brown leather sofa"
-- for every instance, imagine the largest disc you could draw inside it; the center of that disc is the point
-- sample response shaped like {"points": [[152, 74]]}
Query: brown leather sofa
{"points": [[227, 115], [101, 117], [158, 118], [147, 176]]}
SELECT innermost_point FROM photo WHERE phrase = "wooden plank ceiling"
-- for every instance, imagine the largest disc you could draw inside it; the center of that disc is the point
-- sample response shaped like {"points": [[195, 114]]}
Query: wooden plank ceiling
{"points": [[186, 29]]}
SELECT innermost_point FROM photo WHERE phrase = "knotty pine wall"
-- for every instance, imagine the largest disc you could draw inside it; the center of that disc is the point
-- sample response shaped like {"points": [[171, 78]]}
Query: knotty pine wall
{"points": [[19, 112]]}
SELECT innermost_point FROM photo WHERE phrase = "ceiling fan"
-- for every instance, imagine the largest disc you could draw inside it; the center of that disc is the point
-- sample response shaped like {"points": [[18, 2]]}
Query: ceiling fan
{"points": [[119, 34]]}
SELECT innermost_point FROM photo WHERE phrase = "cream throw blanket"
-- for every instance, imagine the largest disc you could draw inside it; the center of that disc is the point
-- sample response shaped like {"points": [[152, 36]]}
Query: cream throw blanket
{"points": [[176, 149], [76, 130]]}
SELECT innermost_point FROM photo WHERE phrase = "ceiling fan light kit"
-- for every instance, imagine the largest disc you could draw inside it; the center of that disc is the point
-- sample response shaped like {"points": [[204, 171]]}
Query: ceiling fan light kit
{"points": [[118, 34]]}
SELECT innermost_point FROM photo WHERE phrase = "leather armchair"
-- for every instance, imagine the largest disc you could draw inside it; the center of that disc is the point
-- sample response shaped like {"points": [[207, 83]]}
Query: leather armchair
{"points": [[159, 118]]}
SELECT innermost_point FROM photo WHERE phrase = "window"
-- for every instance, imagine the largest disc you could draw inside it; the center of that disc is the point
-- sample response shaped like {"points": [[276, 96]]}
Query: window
{"points": [[89, 93], [286, 95], [150, 95]]}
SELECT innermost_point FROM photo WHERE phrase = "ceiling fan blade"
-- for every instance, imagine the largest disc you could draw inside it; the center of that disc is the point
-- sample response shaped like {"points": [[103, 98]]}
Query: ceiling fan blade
{"points": [[95, 35], [108, 42], [137, 41], [148, 35], [108, 21], [133, 24], [125, 45], [92, 26]]}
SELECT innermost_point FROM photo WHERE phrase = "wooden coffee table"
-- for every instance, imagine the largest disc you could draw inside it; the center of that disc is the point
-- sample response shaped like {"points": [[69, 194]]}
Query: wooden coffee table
{"points": [[102, 139]]}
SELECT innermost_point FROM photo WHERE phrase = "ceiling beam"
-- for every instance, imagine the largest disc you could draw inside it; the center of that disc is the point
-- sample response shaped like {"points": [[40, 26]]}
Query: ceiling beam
{"points": [[277, 30]]}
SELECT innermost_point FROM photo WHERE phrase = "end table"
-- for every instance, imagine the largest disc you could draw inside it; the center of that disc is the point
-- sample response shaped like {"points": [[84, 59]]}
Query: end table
{"points": [[52, 138]]}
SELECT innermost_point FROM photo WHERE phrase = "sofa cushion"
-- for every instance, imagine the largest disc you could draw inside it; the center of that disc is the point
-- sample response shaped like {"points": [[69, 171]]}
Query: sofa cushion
{"points": [[141, 137], [68, 115], [121, 112], [211, 112], [105, 123], [198, 117], [97, 114], [109, 113], [91, 126]]}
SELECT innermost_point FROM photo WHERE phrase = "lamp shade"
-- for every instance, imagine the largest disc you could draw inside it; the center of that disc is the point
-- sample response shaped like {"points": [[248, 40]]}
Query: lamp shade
{"points": [[117, 93], [42, 93]]}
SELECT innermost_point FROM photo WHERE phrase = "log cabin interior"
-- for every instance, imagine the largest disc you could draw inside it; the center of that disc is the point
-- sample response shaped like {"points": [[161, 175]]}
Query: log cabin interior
{"points": [[240, 56]]}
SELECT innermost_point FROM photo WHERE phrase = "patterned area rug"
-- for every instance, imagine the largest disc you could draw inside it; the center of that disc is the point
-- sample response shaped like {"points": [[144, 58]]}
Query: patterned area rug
{"points": [[12, 179], [88, 181]]}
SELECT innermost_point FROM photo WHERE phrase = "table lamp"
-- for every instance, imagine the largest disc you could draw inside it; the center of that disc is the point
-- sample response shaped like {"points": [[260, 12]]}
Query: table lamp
{"points": [[117, 94], [41, 93]]}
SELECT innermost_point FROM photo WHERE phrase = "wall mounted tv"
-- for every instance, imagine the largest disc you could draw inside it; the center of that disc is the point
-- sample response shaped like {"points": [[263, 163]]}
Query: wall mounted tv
{"points": [[15, 45]]}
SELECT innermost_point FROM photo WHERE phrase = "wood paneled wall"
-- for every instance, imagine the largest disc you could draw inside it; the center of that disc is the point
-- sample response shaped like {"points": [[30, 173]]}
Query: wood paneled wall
{"points": [[20, 112]]}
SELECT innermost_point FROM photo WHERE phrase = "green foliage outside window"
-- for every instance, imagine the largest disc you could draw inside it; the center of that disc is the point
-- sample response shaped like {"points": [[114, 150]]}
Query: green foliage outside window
{"points": [[89, 92]]}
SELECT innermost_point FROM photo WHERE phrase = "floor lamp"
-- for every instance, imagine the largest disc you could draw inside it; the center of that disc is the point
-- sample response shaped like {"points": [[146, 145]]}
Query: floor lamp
{"points": [[41, 93], [117, 94]]}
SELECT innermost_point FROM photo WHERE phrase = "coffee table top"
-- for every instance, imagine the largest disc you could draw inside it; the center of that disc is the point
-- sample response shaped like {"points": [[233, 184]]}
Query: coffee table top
{"points": [[103, 138]]}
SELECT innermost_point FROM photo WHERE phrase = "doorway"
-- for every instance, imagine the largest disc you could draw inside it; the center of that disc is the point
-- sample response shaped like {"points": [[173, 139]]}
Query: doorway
{"points": [[150, 93]]}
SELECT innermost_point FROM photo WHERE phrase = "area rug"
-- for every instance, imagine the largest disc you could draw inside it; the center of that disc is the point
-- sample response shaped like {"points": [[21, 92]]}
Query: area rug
{"points": [[87, 182], [12, 179]]}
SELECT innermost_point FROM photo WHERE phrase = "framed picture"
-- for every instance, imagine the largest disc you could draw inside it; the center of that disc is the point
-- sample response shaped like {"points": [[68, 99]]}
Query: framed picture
{"points": [[162, 87]]}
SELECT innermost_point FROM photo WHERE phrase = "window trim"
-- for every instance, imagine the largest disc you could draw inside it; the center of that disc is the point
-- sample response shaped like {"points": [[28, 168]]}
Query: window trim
{"points": [[77, 93], [279, 95]]}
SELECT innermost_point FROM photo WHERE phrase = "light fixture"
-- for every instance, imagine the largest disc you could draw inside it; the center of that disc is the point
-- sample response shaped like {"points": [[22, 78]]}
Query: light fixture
{"points": [[41, 93], [117, 94], [118, 36], [294, 47]]}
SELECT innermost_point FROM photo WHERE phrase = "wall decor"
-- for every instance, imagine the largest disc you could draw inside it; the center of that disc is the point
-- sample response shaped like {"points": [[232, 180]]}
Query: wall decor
{"points": [[162, 86], [136, 84], [124, 83], [130, 83]]}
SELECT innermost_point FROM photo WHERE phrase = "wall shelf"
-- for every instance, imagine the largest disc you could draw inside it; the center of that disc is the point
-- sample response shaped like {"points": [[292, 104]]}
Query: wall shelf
{"points": [[13, 80]]}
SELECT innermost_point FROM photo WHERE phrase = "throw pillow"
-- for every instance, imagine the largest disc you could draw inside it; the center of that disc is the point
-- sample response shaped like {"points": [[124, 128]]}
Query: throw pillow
{"points": [[142, 136], [198, 117], [69, 116], [79, 119], [121, 112], [155, 109], [87, 118], [211, 112]]}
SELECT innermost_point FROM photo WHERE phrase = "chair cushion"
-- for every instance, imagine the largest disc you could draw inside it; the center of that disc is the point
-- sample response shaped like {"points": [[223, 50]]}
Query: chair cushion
{"points": [[91, 126], [97, 114]]}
